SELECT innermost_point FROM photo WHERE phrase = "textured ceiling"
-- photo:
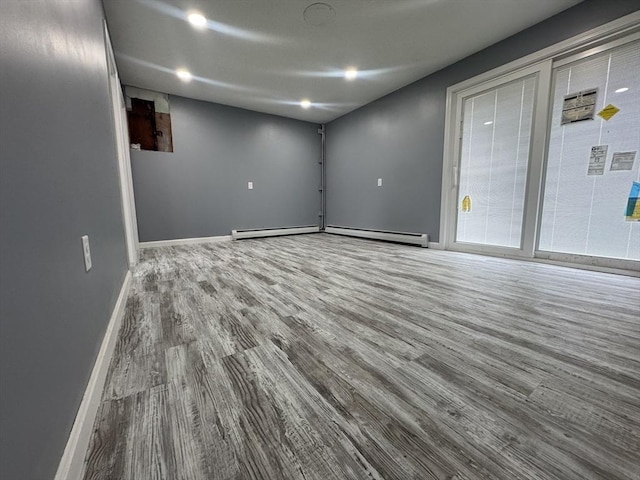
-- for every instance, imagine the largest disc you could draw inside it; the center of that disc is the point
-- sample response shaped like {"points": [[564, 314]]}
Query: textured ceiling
{"points": [[268, 55]]}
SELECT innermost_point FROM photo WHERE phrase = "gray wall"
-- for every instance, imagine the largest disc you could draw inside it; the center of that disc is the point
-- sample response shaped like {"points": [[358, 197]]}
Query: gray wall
{"points": [[400, 137], [58, 181], [200, 190]]}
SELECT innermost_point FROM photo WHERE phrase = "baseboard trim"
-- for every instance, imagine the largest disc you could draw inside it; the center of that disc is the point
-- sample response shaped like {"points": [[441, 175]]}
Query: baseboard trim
{"points": [[72, 461], [272, 232], [421, 239], [185, 241], [436, 245]]}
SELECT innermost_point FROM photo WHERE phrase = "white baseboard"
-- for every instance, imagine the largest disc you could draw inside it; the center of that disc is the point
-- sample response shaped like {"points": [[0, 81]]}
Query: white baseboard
{"points": [[436, 245], [185, 241], [72, 461], [273, 232], [421, 239]]}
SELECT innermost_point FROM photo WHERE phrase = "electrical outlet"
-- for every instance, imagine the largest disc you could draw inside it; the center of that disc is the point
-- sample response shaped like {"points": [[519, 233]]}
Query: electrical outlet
{"points": [[250, 185], [87, 252], [379, 182]]}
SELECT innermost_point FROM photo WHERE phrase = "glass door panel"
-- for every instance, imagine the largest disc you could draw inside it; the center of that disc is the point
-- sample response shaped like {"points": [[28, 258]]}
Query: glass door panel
{"points": [[584, 208], [494, 156]]}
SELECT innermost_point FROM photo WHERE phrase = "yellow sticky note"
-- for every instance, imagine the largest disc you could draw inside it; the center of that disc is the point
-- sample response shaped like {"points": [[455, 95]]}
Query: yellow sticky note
{"points": [[608, 111]]}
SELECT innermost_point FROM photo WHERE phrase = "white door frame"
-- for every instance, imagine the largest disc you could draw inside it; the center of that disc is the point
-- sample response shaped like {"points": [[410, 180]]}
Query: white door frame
{"points": [[124, 161]]}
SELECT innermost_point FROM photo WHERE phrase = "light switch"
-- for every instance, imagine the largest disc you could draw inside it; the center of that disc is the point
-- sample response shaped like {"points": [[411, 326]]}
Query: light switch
{"points": [[250, 185], [379, 182], [87, 252]]}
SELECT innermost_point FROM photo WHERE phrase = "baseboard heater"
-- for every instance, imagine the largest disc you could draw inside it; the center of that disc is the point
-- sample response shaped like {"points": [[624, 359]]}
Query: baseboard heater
{"points": [[272, 232], [421, 239]]}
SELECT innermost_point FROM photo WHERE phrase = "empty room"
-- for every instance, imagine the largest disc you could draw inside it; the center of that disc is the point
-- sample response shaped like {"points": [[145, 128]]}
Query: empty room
{"points": [[334, 240]]}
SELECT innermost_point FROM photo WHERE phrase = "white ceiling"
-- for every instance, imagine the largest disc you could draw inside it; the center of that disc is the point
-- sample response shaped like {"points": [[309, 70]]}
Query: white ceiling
{"points": [[262, 55]]}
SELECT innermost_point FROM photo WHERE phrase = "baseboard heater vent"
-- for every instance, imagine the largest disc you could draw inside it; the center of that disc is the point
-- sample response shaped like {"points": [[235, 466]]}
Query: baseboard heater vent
{"points": [[272, 232], [421, 239]]}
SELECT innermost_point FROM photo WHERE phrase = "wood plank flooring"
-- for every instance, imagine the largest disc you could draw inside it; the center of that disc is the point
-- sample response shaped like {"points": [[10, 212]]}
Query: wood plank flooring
{"points": [[324, 357]]}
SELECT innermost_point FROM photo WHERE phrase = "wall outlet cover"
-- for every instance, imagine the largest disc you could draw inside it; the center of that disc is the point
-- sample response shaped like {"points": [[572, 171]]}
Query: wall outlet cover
{"points": [[379, 182], [86, 252], [250, 185]]}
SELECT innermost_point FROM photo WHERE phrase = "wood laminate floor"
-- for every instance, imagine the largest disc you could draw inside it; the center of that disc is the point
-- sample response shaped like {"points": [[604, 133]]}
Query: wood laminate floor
{"points": [[325, 357]]}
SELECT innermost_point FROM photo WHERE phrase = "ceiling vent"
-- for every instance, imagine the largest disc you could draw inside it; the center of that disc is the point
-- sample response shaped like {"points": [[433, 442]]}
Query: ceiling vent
{"points": [[319, 14]]}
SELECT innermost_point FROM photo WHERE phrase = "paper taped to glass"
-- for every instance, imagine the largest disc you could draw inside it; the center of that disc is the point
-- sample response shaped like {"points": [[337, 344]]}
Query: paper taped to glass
{"points": [[622, 161], [607, 112], [597, 160], [579, 106]]}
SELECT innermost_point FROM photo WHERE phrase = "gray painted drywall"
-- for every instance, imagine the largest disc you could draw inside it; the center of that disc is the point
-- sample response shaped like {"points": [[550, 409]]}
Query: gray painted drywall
{"points": [[400, 137], [200, 190], [58, 181]]}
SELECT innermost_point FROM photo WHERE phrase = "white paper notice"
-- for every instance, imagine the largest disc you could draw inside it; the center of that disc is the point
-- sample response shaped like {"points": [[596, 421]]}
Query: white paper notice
{"points": [[597, 160], [579, 106], [623, 161]]}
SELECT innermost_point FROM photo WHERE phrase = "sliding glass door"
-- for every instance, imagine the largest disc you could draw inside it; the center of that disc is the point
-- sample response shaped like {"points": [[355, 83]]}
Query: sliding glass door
{"points": [[593, 162], [542, 161]]}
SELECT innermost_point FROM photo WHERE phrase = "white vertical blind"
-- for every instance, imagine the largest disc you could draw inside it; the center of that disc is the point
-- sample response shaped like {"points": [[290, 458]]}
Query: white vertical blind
{"points": [[496, 134], [584, 214]]}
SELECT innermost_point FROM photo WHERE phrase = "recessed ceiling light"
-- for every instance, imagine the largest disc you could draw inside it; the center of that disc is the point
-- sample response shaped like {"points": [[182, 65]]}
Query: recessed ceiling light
{"points": [[488, 123], [623, 89], [183, 75], [350, 73], [305, 103], [197, 20]]}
